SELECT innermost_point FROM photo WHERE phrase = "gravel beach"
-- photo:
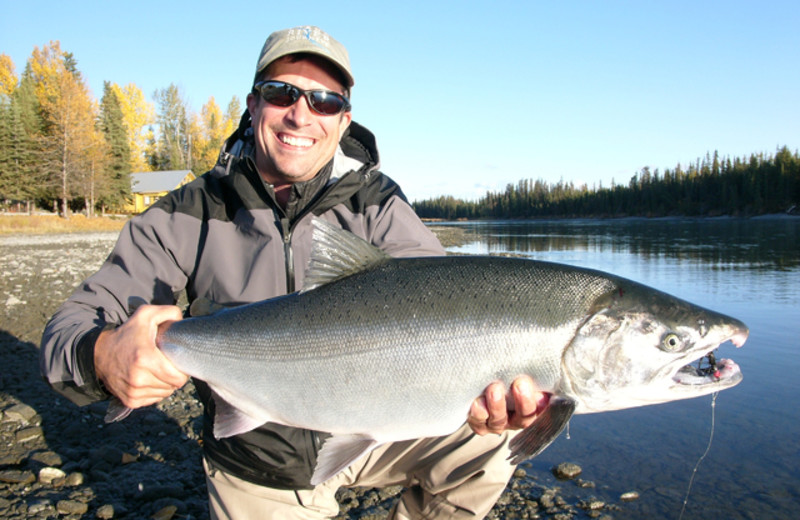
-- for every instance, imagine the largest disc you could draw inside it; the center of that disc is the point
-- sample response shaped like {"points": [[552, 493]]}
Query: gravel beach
{"points": [[61, 461]]}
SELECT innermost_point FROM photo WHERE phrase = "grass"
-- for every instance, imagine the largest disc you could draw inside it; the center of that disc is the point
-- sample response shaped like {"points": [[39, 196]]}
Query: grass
{"points": [[45, 224]]}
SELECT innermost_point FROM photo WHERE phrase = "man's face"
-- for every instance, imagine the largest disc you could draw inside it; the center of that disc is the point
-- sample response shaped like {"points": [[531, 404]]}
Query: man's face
{"points": [[293, 143]]}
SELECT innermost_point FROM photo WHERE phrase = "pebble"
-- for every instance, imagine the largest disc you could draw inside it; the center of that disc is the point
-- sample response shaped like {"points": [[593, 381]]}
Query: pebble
{"points": [[75, 479], [48, 458], [71, 507], [630, 496], [13, 476], [165, 513], [105, 512], [19, 413], [567, 471], [48, 475], [29, 434]]}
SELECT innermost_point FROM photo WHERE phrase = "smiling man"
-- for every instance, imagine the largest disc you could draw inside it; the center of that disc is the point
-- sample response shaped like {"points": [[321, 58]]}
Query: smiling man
{"points": [[242, 233]]}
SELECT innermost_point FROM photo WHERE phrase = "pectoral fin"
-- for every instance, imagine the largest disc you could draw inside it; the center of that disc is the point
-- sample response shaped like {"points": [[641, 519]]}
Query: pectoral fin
{"points": [[338, 452], [535, 438], [116, 411]]}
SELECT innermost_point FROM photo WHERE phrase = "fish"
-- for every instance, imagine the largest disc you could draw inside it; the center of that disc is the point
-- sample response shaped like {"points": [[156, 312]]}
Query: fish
{"points": [[376, 349]]}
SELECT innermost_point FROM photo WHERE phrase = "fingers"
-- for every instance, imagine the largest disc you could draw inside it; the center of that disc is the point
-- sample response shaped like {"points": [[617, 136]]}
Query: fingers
{"points": [[495, 412], [528, 403], [488, 413], [130, 364]]}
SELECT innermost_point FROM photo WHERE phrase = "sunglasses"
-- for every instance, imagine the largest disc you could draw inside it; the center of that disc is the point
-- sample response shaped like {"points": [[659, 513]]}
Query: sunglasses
{"points": [[281, 94]]}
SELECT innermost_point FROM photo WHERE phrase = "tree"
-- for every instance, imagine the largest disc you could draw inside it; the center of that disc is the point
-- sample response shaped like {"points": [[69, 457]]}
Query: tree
{"points": [[138, 115], [68, 114], [20, 179], [8, 79], [117, 146], [173, 146]]}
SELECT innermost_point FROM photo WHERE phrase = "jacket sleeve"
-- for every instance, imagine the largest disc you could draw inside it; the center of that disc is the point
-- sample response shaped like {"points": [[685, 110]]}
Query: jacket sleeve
{"points": [[396, 229], [143, 264]]}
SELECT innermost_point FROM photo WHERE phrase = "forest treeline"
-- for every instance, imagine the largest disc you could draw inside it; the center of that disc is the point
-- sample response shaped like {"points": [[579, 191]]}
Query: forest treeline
{"points": [[60, 146], [711, 186]]}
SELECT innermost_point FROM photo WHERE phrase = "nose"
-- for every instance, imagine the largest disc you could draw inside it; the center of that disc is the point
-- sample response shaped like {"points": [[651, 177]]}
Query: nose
{"points": [[300, 113]]}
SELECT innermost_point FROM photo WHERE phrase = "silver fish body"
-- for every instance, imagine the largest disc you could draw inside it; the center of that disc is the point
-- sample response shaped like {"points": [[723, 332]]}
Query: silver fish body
{"points": [[377, 349]]}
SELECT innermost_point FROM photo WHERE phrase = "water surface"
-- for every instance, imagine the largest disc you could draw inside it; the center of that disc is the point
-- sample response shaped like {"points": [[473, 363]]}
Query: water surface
{"points": [[747, 268]]}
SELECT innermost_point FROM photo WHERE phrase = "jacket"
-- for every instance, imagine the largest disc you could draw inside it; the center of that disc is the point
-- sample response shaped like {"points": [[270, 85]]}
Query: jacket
{"points": [[224, 238]]}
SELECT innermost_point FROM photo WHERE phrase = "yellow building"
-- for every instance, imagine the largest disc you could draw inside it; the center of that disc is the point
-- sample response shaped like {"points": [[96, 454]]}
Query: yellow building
{"points": [[148, 187]]}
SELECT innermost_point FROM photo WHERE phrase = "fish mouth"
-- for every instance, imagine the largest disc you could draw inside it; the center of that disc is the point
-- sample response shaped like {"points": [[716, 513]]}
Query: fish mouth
{"points": [[707, 370]]}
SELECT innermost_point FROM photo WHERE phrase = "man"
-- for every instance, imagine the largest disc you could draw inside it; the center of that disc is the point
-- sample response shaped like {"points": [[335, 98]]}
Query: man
{"points": [[242, 233]]}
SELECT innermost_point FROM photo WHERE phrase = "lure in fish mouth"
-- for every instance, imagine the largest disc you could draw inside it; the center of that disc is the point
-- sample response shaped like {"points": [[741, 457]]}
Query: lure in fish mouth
{"points": [[710, 371]]}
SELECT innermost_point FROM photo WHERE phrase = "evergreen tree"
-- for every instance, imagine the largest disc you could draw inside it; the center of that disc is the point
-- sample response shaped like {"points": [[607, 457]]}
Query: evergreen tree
{"points": [[173, 145], [114, 131]]}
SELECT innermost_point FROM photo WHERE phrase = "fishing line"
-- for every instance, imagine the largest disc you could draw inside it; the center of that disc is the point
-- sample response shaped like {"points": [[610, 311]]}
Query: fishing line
{"points": [[703, 456]]}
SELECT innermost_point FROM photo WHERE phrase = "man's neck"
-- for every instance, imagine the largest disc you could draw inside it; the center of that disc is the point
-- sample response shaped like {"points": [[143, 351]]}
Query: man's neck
{"points": [[282, 193]]}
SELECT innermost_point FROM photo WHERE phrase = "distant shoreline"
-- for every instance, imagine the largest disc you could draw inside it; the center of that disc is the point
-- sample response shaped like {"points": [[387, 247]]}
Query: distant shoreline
{"points": [[15, 224]]}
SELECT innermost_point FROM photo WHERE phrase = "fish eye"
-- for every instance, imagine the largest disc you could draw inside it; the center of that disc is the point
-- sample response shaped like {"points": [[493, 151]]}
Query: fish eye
{"points": [[671, 342]]}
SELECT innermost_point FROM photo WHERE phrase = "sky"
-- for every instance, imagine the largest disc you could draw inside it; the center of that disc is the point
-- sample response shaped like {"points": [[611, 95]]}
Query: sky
{"points": [[467, 97]]}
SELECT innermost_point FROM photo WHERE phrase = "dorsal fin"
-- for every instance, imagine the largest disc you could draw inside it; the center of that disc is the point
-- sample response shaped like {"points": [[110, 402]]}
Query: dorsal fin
{"points": [[336, 253]]}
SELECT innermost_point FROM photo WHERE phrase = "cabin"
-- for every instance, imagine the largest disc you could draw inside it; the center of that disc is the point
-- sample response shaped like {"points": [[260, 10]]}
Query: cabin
{"points": [[148, 187]]}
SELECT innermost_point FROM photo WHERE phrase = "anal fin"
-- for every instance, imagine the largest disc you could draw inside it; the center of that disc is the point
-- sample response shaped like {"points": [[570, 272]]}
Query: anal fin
{"points": [[535, 438]]}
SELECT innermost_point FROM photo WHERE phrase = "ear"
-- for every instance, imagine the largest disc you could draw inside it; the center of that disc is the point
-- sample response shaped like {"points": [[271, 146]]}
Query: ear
{"points": [[344, 122], [252, 104]]}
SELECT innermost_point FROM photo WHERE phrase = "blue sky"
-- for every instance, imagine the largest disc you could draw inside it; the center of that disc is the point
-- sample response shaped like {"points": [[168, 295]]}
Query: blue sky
{"points": [[466, 97]]}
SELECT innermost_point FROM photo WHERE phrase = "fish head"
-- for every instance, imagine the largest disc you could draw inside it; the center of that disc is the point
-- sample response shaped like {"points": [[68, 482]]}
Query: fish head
{"points": [[638, 347]]}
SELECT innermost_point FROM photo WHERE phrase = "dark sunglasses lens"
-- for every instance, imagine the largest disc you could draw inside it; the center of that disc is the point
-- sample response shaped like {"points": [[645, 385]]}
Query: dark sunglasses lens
{"points": [[281, 95], [326, 103]]}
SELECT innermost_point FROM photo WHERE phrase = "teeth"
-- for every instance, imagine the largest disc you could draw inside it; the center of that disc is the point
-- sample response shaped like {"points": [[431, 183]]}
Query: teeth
{"points": [[297, 141]]}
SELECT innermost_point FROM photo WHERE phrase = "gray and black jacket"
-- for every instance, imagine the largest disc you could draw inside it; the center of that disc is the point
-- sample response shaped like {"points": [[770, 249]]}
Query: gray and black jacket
{"points": [[224, 238]]}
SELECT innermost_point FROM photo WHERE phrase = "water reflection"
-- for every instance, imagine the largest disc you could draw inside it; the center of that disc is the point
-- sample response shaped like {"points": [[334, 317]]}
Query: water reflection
{"points": [[723, 243]]}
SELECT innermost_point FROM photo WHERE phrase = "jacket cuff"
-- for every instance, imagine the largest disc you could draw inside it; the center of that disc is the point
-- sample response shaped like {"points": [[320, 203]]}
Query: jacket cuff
{"points": [[92, 389]]}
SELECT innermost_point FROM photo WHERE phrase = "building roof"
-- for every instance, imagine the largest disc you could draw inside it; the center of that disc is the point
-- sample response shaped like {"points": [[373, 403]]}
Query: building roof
{"points": [[156, 182]]}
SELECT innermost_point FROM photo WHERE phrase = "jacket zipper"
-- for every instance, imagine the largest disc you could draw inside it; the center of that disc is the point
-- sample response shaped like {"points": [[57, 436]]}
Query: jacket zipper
{"points": [[288, 255]]}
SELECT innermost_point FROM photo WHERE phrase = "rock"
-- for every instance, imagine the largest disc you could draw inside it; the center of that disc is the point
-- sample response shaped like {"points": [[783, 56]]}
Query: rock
{"points": [[165, 513], [71, 507], [547, 500], [630, 496], [19, 413], [29, 434], [13, 300], [75, 479], [592, 504], [39, 507], [48, 458], [48, 475], [105, 512], [567, 471], [127, 458], [13, 476]]}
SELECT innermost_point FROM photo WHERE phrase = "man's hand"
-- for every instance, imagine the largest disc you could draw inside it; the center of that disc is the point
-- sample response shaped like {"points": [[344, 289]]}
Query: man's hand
{"points": [[130, 364], [491, 413]]}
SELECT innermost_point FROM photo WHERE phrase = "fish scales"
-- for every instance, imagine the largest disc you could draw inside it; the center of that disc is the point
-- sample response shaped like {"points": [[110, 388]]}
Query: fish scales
{"points": [[405, 325]]}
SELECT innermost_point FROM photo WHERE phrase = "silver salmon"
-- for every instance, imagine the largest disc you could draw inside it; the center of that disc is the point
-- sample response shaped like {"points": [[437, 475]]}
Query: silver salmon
{"points": [[377, 349]]}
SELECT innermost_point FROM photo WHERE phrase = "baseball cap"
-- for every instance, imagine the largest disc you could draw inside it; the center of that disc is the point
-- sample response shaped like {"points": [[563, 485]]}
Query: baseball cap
{"points": [[309, 39]]}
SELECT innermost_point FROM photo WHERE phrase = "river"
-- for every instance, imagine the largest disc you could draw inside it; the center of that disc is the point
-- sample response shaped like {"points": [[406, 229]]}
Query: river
{"points": [[746, 268]]}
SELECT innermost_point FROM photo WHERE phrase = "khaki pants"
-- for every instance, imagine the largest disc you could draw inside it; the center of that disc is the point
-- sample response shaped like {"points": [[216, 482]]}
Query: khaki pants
{"points": [[457, 476]]}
